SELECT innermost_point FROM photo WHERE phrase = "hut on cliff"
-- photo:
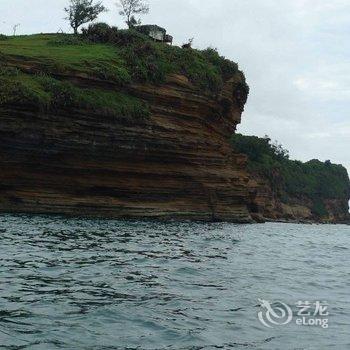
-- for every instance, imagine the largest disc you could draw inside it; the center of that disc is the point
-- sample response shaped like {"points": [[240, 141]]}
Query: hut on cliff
{"points": [[155, 32]]}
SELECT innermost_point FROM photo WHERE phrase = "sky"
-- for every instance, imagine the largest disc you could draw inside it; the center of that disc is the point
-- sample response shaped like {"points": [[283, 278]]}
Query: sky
{"points": [[295, 55]]}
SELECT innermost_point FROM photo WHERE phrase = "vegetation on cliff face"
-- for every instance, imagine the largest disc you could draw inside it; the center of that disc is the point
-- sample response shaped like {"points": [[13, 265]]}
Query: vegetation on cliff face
{"points": [[145, 60], [46, 93], [291, 179], [33, 69], [122, 56]]}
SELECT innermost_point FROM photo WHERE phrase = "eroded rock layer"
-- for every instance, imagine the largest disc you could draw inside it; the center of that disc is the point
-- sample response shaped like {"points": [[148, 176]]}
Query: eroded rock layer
{"points": [[178, 163], [266, 205]]}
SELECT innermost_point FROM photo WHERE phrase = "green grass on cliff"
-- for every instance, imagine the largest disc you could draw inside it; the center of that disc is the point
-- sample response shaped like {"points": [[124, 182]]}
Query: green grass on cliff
{"points": [[314, 180], [38, 47], [56, 54], [47, 93], [128, 56], [122, 57]]}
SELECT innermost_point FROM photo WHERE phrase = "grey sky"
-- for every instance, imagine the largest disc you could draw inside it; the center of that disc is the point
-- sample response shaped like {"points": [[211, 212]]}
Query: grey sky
{"points": [[295, 54]]}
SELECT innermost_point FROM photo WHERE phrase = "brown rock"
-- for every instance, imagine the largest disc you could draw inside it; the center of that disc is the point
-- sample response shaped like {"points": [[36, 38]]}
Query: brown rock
{"points": [[178, 164]]}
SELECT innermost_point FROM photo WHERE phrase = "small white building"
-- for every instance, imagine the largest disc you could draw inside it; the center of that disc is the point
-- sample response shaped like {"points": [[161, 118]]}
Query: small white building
{"points": [[156, 33]]}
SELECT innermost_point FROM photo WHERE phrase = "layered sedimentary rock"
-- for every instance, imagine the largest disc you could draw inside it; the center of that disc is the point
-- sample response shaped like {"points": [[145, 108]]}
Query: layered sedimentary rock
{"points": [[178, 163], [266, 205]]}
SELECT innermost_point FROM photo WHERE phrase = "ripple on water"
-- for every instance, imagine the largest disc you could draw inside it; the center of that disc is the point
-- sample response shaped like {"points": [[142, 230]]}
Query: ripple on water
{"points": [[104, 284]]}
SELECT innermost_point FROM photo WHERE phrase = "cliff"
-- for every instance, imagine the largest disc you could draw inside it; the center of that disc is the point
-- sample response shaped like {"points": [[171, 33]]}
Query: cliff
{"points": [[175, 164], [115, 125], [173, 159], [267, 205], [285, 190]]}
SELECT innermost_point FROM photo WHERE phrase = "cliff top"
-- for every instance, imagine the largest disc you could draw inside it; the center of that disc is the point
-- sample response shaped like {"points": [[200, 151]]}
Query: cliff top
{"points": [[32, 68]]}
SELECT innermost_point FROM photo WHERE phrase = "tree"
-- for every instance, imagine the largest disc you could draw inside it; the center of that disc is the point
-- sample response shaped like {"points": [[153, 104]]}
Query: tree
{"points": [[130, 8], [279, 151], [15, 27], [189, 44], [83, 11]]}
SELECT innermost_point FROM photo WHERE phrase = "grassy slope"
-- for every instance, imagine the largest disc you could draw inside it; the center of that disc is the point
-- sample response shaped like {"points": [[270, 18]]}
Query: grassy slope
{"points": [[43, 91], [53, 56], [129, 57], [37, 47]]}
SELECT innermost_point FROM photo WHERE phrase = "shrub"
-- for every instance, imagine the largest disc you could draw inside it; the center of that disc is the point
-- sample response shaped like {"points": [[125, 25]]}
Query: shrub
{"points": [[62, 94], [100, 33], [202, 73], [145, 62], [227, 67], [3, 37], [130, 37], [114, 72]]}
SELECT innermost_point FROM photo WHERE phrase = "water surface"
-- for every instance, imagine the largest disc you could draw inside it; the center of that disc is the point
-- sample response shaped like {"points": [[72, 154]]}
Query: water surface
{"points": [[100, 284]]}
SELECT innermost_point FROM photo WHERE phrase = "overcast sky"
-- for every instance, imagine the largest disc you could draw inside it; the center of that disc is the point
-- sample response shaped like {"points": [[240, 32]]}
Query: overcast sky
{"points": [[295, 54]]}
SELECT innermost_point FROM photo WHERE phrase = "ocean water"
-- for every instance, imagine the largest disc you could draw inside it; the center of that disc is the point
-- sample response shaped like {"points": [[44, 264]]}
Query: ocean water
{"points": [[101, 284]]}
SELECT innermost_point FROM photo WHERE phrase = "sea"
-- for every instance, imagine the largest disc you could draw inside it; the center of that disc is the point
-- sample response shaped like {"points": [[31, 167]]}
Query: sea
{"points": [[105, 284]]}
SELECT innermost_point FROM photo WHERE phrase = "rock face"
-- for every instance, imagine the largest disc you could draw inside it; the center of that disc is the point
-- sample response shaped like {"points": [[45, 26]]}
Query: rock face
{"points": [[265, 205], [178, 163]]}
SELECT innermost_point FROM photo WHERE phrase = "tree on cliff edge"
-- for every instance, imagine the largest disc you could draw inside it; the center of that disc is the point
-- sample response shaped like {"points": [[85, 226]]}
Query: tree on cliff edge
{"points": [[130, 8], [83, 11]]}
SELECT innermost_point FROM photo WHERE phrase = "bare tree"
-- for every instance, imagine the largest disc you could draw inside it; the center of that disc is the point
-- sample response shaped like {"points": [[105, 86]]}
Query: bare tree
{"points": [[15, 27], [189, 44], [83, 11], [130, 8]]}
